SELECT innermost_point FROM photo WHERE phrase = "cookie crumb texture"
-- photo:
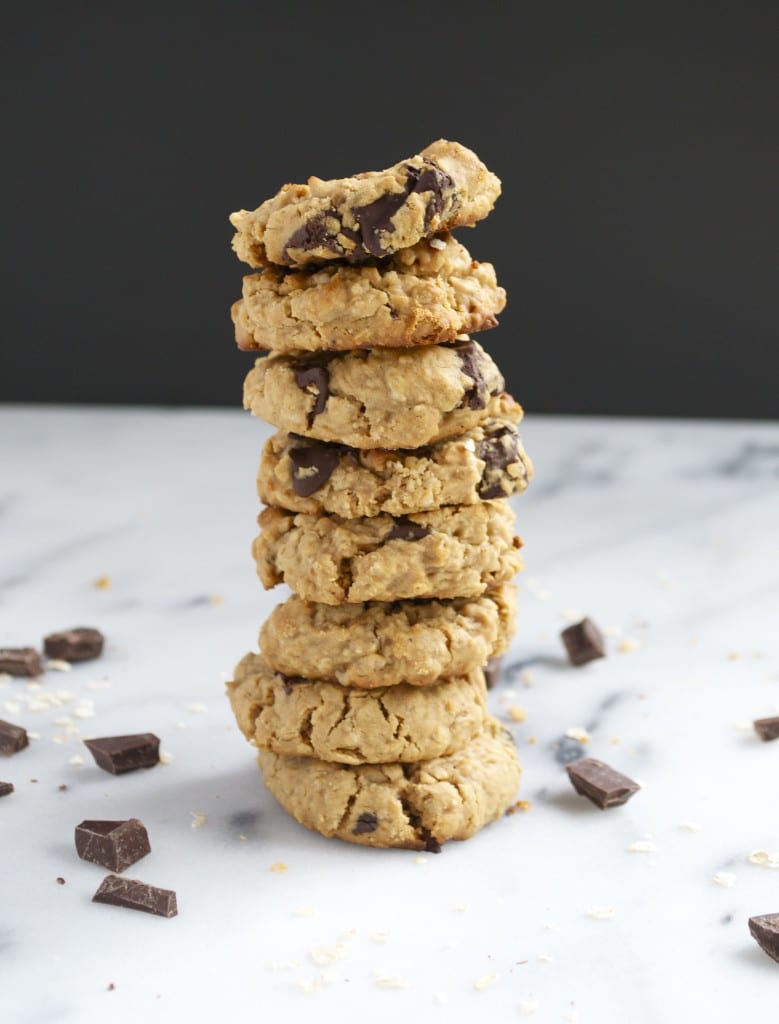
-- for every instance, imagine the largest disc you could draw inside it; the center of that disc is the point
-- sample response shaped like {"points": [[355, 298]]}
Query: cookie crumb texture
{"points": [[452, 552], [372, 214], [420, 296], [488, 461], [378, 644], [377, 398], [414, 806], [313, 718]]}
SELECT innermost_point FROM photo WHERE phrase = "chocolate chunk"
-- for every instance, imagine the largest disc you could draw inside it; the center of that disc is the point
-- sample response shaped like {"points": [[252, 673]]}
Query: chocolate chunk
{"points": [[78, 644], [492, 672], [367, 822], [432, 845], [315, 380], [120, 754], [315, 233], [313, 465], [6, 788], [290, 681], [13, 738], [377, 216], [476, 396], [601, 784], [767, 728], [112, 844], [60, 880], [584, 642], [20, 661], [128, 892], [404, 529], [765, 931], [498, 451]]}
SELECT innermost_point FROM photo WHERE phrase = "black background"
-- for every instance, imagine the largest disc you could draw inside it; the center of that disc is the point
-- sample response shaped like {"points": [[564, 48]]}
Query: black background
{"points": [[637, 143]]}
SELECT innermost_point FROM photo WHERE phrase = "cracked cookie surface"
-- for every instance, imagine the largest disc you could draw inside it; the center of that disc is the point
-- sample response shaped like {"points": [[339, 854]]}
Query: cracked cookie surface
{"points": [[312, 718], [459, 551], [420, 296], [371, 214], [377, 398], [381, 644], [416, 806], [487, 461]]}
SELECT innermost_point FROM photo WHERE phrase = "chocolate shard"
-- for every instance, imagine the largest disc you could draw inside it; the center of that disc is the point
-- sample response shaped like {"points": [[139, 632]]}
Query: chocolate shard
{"points": [[492, 672], [13, 738], [767, 728], [6, 788], [601, 784], [765, 931], [20, 661], [314, 380], [120, 754], [129, 892], [367, 822], [313, 465], [78, 644], [114, 845], [584, 642], [404, 529]]}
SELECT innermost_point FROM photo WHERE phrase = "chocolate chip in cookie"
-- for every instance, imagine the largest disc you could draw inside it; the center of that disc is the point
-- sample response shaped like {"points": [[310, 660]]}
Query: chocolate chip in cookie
{"points": [[315, 380], [404, 529], [313, 463], [367, 822], [497, 451]]}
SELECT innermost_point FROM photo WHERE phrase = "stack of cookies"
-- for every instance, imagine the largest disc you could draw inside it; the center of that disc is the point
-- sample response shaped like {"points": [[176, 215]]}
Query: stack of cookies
{"points": [[386, 487]]}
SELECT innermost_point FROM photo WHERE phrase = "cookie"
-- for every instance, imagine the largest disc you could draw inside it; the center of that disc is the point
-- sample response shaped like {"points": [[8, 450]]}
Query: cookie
{"points": [[312, 718], [372, 214], [416, 806], [370, 645], [419, 296], [376, 398], [459, 551], [487, 461]]}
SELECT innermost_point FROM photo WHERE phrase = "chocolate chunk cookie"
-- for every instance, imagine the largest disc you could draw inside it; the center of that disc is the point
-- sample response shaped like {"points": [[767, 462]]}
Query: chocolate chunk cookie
{"points": [[381, 644], [416, 806], [312, 718], [372, 214], [420, 296], [459, 551], [487, 461], [377, 398]]}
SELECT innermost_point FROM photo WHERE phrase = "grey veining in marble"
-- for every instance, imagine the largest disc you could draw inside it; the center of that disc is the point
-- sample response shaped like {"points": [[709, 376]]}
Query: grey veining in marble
{"points": [[666, 534]]}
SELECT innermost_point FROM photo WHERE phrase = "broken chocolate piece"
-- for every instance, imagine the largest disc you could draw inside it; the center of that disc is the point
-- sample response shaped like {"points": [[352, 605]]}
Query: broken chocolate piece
{"points": [[404, 529], [601, 784], [584, 642], [767, 728], [313, 465], [315, 381], [13, 738], [78, 644], [120, 754], [498, 451], [129, 892], [765, 931], [492, 672], [20, 661], [112, 844], [367, 822], [6, 788], [476, 396], [432, 845]]}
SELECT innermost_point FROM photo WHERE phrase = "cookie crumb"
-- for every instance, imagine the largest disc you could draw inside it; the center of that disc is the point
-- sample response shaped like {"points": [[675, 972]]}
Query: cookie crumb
{"points": [[601, 913], [520, 805], [516, 713], [724, 879], [77, 761], [197, 708], [485, 982], [279, 867], [627, 645], [764, 859], [642, 846], [420, 860], [383, 980], [323, 956], [165, 757], [198, 819], [57, 665], [577, 733], [102, 583]]}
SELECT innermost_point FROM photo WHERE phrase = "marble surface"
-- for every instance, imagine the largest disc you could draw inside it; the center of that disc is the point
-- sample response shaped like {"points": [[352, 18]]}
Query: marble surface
{"points": [[667, 534]]}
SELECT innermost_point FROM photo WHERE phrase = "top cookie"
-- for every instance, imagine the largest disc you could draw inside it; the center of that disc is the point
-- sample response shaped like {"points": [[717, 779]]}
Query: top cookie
{"points": [[373, 214]]}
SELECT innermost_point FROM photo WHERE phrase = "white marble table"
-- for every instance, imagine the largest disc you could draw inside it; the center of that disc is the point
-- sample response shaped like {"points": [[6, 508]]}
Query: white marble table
{"points": [[667, 534]]}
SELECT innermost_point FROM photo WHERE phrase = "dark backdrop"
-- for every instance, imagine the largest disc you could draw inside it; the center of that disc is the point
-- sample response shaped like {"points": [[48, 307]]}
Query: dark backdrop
{"points": [[637, 143]]}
